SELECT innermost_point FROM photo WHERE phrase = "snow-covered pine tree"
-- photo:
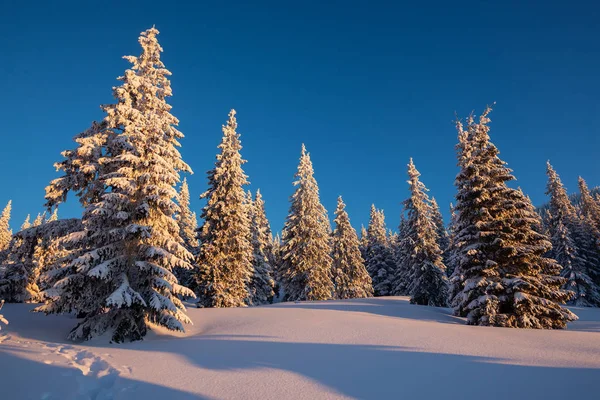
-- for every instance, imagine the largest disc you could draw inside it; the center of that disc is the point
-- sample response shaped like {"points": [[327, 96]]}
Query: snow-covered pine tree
{"points": [[188, 226], [26, 223], [261, 285], [430, 285], [586, 292], [442, 233], [350, 276], [364, 240], [123, 277], [26, 259], [450, 256], [5, 231], [40, 219], [53, 216], [275, 261], [379, 261], [186, 219], [403, 278], [572, 246], [225, 256], [306, 248], [507, 281], [590, 208], [465, 231]]}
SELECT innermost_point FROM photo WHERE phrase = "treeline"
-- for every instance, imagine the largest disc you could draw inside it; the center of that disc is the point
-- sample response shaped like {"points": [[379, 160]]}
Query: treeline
{"points": [[137, 252]]}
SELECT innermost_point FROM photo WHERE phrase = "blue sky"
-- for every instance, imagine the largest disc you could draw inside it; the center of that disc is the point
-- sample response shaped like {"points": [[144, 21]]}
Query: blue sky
{"points": [[364, 84]]}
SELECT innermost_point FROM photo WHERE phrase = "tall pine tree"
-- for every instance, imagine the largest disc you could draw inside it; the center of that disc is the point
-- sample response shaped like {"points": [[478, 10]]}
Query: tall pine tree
{"points": [[572, 244], [306, 248], [379, 259], [430, 285], [505, 278], [590, 208], [350, 276], [186, 219], [403, 278], [440, 228], [123, 277], [261, 284], [225, 257]]}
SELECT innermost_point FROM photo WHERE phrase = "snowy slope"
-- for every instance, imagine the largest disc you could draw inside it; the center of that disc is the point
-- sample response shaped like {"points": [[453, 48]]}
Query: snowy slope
{"points": [[363, 348]]}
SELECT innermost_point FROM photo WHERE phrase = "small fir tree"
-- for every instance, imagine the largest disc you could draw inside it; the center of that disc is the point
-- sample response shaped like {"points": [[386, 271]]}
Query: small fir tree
{"points": [[5, 231], [430, 285], [26, 223], [350, 276], [379, 260], [188, 223], [261, 284]]}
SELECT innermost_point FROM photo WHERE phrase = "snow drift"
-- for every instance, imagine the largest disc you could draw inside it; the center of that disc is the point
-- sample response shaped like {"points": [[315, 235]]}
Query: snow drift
{"points": [[363, 348]]}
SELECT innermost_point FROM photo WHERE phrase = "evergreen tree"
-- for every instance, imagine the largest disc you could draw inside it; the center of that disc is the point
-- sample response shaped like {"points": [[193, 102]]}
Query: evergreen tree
{"points": [[450, 254], [506, 280], [225, 257], [261, 284], [186, 219], [53, 216], [404, 277], [122, 276], [32, 252], [430, 285], [5, 231], [364, 240], [443, 240], [276, 264], [306, 261], [39, 220], [26, 223], [379, 260], [572, 246], [590, 207], [350, 276]]}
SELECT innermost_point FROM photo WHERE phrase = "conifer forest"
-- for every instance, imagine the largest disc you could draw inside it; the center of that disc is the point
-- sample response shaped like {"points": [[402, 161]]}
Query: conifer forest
{"points": [[141, 267]]}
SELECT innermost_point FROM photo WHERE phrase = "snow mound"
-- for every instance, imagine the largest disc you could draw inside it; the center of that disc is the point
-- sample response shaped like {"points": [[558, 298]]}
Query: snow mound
{"points": [[363, 348]]}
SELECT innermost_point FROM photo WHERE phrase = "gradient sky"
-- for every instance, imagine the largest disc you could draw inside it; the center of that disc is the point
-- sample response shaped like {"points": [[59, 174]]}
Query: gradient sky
{"points": [[364, 84]]}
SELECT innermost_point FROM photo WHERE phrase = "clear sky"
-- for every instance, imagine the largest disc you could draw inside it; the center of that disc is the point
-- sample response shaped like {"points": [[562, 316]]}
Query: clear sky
{"points": [[364, 84]]}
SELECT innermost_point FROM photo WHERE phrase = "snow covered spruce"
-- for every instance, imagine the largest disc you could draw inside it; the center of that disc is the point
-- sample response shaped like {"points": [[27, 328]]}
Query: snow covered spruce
{"points": [[262, 284], [379, 257], [128, 262], [350, 277], [502, 277], [224, 263], [124, 172], [5, 231], [575, 240], [306, 249], [188, 222], [429, 283]]}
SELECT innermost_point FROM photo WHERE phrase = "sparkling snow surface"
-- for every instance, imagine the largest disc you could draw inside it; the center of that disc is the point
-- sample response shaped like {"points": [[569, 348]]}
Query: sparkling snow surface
{"points": [[381, 348]]}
